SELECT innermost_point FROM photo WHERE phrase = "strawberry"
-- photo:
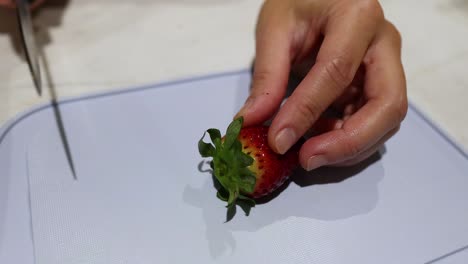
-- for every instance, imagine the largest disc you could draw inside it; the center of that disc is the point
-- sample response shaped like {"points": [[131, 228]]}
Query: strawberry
{"points": [[244, 165]]}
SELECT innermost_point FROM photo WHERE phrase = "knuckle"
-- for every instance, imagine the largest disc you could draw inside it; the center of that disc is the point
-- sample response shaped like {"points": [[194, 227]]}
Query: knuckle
{"points": [[261, 75], [371, 8], [308, 110], [398, 110], [260, 78], [351, 148], [394, 33], [402, 111], [339, 72]]}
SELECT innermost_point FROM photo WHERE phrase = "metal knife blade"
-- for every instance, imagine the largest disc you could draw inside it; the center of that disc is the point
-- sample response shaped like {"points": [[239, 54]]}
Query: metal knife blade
{"points": [[29, 42]]}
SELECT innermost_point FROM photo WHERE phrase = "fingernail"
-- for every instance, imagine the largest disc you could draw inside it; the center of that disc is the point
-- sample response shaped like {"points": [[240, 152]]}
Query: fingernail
{"points": [[285, 139], [315, 161], [248, 104]]}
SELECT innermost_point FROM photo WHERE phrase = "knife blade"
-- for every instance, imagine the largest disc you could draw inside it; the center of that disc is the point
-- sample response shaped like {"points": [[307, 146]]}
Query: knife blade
{"points": [[29, 42]]}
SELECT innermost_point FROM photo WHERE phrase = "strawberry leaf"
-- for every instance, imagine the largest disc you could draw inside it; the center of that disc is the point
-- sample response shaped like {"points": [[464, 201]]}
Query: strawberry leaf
{"points": [[236, 147], [233, 131], [247, 199], [246, 187], [248, 177], [231, 212], [246, 204], [222, 195], [244, 159], [215, 135], [245, 207], [205, 149]]}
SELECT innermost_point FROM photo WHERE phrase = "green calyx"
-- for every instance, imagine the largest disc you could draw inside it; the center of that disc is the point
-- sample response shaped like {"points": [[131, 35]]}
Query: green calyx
{"points": [[230, 165]]}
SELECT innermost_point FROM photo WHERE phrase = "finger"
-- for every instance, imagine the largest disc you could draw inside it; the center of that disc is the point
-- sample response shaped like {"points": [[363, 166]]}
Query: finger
{"points": [[350, 97], [347, 37], [352, 108], [386, 106], [11, 4], [352, 92], [369, 152], [323, 125], [271, 67], [7, 3]]}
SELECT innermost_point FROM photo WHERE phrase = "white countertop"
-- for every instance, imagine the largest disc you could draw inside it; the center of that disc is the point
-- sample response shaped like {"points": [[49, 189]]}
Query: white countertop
{"points": [[94, 46]]}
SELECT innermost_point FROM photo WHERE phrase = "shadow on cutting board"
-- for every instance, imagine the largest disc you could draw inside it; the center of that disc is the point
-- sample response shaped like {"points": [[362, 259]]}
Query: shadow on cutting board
{"points": [[327, 194]]}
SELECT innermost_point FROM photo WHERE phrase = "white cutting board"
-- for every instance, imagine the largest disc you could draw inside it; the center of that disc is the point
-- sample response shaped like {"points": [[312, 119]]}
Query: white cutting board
{"points": [[140, 197]]}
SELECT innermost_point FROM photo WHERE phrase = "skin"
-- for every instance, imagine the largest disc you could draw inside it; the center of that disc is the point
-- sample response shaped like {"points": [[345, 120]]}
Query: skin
{"points": [[11, 4], [349, 56]]}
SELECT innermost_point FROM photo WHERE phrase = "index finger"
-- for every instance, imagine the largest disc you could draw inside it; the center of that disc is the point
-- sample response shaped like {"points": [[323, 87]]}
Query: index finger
{"points": [[271, 66]]}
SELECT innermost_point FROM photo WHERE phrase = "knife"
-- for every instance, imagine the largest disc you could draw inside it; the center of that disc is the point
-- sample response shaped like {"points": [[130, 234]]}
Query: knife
{"points": [[29, 42], [32, 55]]}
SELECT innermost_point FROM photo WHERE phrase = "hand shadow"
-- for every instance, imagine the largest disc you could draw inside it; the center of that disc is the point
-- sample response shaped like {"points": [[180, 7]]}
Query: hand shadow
{"points": [[326, 194]]}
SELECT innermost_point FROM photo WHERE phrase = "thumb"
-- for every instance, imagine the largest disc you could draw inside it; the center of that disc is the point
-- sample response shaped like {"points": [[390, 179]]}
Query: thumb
{"points": [[271, 71]]}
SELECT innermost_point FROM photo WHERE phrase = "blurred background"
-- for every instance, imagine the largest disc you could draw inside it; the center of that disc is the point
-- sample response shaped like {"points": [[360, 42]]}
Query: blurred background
{"points": [[93, 46]]}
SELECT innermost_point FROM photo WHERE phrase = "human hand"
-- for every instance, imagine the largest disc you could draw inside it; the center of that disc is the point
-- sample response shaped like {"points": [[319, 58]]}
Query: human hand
{"points": [[356, 69], [11, 3]]}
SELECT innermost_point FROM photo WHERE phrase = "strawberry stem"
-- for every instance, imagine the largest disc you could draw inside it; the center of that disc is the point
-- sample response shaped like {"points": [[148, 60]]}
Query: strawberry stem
{"points": [[233, 194]]}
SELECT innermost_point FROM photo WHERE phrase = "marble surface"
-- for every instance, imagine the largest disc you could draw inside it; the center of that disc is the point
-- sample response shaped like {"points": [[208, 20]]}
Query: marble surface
{"points": [[93, 46]]}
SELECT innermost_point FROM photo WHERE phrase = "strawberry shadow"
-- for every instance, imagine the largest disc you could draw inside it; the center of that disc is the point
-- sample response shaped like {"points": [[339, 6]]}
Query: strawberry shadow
{"points": [[220, 240], [326, 194]]}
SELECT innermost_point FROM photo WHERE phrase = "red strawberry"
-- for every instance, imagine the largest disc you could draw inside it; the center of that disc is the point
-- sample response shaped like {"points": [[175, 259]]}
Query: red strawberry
{"points": [[244, 164]]}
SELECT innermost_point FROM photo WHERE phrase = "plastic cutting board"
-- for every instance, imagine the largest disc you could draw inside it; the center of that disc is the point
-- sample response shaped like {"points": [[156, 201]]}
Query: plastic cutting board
{"points": [[140, 196]]}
